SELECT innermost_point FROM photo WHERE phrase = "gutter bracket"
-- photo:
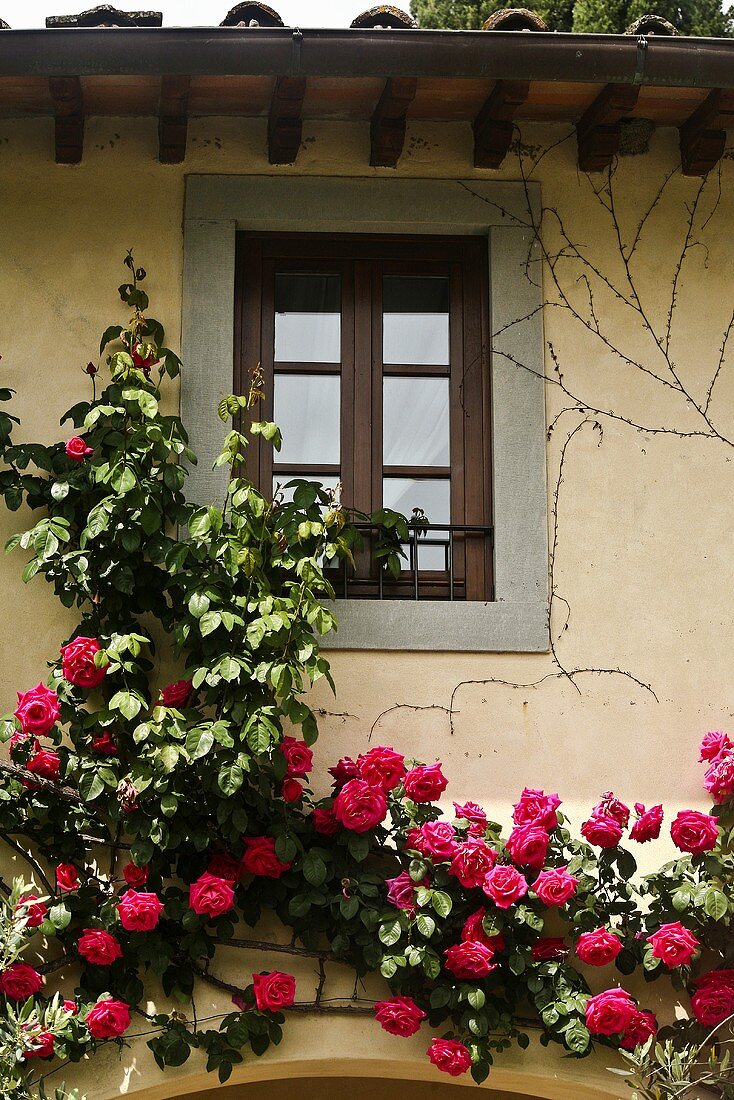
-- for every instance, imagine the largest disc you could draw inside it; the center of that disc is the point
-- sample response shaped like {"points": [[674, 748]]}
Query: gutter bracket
{"points": [[642, 45]]}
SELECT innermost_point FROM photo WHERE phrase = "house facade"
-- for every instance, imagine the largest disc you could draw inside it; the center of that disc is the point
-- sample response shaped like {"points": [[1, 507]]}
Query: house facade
{"points": [[488, 277]]}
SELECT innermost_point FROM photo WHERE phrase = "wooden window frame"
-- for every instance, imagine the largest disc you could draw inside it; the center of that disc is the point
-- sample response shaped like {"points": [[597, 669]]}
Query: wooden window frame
{"points": [[362, 261]]}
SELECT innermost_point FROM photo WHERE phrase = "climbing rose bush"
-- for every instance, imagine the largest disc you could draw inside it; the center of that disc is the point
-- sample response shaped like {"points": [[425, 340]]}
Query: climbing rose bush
{"points": [[161, 820]]}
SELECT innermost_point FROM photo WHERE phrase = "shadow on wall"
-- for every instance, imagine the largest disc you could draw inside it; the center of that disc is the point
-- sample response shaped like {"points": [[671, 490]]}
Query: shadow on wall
{"points": [[353, 1088]]}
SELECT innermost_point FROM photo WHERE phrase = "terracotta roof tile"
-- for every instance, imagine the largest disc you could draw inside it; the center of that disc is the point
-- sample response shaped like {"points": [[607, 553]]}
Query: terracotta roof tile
{"points": [[384, 16], [105, 15], [515, 19], [249, 15], [652, 24]]}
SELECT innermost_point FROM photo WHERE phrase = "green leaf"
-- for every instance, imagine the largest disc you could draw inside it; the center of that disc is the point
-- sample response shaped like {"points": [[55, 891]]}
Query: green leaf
{"points": [[128, 704], [60, 490], [230, 779], [390, 932], [90, 786], [426, 925], [168, 757], [198, 604], [442, 903], [59, 916], [209, 622], [577, 1037], [199, 741], [476, 998], [715, 904], [314, 869]]}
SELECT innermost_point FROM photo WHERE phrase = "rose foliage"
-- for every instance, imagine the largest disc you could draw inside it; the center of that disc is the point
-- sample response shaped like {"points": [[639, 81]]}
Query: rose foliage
{"points": [[164, 819]]}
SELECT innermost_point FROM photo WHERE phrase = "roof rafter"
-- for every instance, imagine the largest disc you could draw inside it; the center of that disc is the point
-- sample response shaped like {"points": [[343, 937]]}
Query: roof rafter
{"points": [[68, 101], [285, 124], [703, 135], [389, 121], [173, 119], [599, 130], [493, 126]]}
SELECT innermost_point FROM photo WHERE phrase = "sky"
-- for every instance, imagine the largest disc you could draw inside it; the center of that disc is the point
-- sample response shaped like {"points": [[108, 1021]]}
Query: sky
{"points": [[192, 13]]}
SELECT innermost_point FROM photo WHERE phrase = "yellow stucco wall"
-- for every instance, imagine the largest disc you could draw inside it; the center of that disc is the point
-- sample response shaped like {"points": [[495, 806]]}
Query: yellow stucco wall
{"points": [[644, 543]]}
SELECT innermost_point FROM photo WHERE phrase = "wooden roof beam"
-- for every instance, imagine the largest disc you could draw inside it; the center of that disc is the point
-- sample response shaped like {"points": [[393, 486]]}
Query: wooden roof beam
{"points": [[703, 135], [285, 123], [173, 119], [66, 93], [599, 130], [389, 125], [493, 126]]}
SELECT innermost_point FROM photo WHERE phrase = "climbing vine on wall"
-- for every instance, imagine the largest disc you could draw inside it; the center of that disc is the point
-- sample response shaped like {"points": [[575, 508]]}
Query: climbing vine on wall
{"points": [[158, 821]]}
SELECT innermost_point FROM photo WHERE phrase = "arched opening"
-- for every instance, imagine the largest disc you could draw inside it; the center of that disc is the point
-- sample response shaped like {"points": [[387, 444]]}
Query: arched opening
{"points": [[349, 1088]]}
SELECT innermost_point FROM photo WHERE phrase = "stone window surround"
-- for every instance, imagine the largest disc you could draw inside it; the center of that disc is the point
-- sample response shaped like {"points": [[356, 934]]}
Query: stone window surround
{"points": [[217, 206]]}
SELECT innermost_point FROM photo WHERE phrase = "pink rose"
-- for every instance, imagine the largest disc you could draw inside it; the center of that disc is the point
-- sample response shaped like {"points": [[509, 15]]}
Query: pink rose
{"points": [[674, 944], [474, 814], [598, 948], [324, 821], [537, 808], [436, 839], [77, 663], [359, 807], [344, 770], [41, 1043], [605, 832], [527, 845], [67, 877], [694, 832], [134, 875], [713, 998], [471, 862], [555, 887], [108, 1019], [549, 949], [401, 892], [382, 767], [99, 947], [211, 895], [642, 1025], [291, 790], [719, 779], [473, 932], [260, 858], [450, 1056], [32, 909], [504, 885], [70, 1006], [714, 743], [298, 758], [139, 912], [37, 710], [647, 826], [424, 783], [20, 981], [469, 960], [399, 1016], [77, 449], [104, 744], [610, 1012], [274, 991], [612, 807], [45, 763], [177, 695]]}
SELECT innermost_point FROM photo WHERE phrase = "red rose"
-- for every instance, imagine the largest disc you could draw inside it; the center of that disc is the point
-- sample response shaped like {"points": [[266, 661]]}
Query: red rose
{"points": [[324, 822], [474, 814], [70, 1006], [602, 831], [177, 695], [108, 1019], [528, 846], [274, 991], [450, 1056], [20, 981], [537, 808], [104, 744], [77, 663], [598, 948], [298, 758], [504, 885], [548, 949], [360, 807], [25, 742], [473, 931], [647, 826], [37, 710], [134, 875], [40, 1043], [67, 877], [436, 839], [291, 790], [99, 947], [223, 865], [713, 998], [556, 886], [674, 944], [400, 1016], [643, 1024], [719, 780], [45, 763], [425, 783], [472, 860], [612, 807], [260, 858], [139, 912], [694, 832], [382, 767], [145, 357], [211, 895], [469, 960], [77, 449], [714, 743], [610, 1012], [344, 770], [33, 910], [401, 892]]}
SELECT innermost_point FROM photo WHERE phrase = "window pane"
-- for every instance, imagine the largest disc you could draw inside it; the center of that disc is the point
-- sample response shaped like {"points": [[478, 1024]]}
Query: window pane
{"points": [[307, 411], [415, 422], [415, 319], [433, 496], [307, 318]]}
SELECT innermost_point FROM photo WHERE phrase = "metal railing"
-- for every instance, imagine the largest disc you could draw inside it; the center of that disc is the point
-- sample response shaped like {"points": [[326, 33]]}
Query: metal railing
{"points": [[376, 582]]}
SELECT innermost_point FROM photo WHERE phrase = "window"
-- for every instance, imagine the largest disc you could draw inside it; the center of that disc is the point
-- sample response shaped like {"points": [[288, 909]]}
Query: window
{"points": [[374, 353]]}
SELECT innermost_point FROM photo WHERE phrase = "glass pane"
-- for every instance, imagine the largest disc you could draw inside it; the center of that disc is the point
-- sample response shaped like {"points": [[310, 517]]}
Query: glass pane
{"points": [[415, 323], [433, 497], [307, 411], [307, 318], [415, 422]]}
